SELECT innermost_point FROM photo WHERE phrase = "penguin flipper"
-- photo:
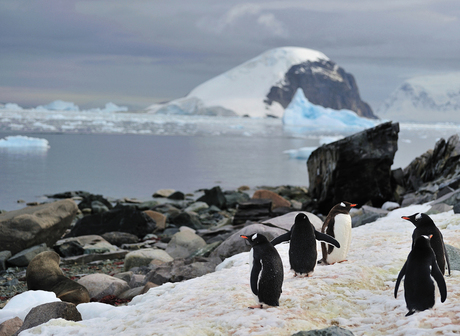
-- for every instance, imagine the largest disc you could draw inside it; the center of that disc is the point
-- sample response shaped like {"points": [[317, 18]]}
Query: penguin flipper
{"points": [[284, 237], [256, 269], [400, 276], [326, 238], [437, 275], [447, 257]]}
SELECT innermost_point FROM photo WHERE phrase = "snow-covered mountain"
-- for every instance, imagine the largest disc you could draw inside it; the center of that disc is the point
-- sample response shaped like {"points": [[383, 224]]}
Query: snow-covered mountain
{"points": [[244, 90], [425, 99]]}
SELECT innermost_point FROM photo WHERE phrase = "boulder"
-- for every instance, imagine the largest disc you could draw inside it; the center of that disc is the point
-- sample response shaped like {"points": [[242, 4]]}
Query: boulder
{"points": [[10, 327], [366, 214], [286, 221], [46, 223], [214, 196], [100, 285], [355, 169], [120, 238], [277, 200], [123, 219], [143, 257], [158, 217], [235, 244], [188, 219], [97, 203], [90, 244], [181, 269], [442, 164], [454, 257], [163, 193], [184, 243], [254, 210], [53, 310], [23, 258], [177, 195], [232, 198]]}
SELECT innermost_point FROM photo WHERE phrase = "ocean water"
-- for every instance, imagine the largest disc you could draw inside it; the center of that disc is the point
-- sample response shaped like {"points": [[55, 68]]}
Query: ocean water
{"points": [[117, 163]]}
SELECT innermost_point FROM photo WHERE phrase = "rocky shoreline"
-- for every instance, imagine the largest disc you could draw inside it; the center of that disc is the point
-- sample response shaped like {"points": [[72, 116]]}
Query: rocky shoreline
{"points": [[120, 248]]}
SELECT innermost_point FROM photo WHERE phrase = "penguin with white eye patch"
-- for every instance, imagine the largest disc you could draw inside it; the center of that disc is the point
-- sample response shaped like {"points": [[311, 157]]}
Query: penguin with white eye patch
{"points": [[302, 247], [420, 266], [337, 225], [424, 225], [266, 272]]}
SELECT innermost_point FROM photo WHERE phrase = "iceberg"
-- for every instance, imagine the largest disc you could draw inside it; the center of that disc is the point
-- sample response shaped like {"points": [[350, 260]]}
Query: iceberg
{"points": [[59, 105], [21, 141], [302, 113], [11, 107], [109, 108]]}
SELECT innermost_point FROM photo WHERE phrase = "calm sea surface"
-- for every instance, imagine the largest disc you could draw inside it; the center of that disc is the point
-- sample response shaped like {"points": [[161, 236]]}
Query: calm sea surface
{"points": [[123, 165]]}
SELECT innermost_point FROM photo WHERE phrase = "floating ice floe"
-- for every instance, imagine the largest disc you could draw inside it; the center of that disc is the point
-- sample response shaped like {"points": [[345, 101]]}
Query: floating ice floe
{"points": [[21, 141]]}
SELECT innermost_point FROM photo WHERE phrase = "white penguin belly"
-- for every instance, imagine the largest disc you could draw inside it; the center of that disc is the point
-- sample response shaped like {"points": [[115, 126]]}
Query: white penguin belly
{"points": [[342, 232]]}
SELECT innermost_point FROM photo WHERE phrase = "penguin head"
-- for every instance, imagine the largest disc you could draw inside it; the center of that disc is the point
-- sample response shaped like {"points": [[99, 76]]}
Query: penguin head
{"points": [[302, 219], [255, 239], [344, 207], [418, 219], [423, 241]]}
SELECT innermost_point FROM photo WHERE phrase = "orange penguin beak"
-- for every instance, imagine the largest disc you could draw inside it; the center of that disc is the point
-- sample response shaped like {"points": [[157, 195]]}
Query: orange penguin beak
{"points": [[353, 205], [405, 217], [244, 237]]}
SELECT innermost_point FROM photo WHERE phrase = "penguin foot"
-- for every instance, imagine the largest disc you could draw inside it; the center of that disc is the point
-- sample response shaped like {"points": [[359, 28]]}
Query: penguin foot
{"points": [[323, 262], [257, 307], [410, 313]]}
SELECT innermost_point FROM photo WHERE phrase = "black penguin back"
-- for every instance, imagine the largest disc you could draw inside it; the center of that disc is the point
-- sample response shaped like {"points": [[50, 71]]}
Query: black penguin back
{"points": [[302, 250]]}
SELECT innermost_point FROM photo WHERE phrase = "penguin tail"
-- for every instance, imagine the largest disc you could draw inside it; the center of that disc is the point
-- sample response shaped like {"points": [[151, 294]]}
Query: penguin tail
{"points": [[412, 311]]}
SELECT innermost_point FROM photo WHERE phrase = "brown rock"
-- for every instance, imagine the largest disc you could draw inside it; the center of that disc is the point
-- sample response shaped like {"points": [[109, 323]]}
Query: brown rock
{"points": [[10, 327], [158, 217], [277, 200]]}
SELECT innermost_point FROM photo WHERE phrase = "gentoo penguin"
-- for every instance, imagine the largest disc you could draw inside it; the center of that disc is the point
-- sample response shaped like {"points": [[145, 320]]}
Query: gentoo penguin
{"points": [[418, 286], [424, 225], [302, 249], [337, 225], [266, 271]]}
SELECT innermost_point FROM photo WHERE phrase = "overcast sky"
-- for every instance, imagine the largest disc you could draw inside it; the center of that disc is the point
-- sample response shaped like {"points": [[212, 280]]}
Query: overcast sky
{"points": [[139, 52]]}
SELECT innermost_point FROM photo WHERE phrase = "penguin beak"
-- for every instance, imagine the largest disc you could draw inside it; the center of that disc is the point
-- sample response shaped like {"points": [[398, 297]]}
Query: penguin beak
{"points": [[405, 217], [244, 237], [353, 205]]}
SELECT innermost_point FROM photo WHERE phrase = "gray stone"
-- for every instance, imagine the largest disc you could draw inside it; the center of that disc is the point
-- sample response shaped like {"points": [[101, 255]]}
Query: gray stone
{"points": [[188, 219], [10, 327], [232, 198], [332, 168], [4, 256], [454, 257], [205, 251], [235, 244], [367, 214], [143, 257], [23, 258], [439, 208], [87, 258], [120, 238], [286, 221], [329, 331], [214, 196], [24, 228], [100, 285], [89, 244], [197, 207], [130, 293], [184, 243], [457, 208], [53, 310], [125, 276]]}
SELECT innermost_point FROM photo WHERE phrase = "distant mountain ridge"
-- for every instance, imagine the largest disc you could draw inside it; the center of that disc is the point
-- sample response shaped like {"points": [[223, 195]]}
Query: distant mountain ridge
{"points": [[265, 85], [425, 99]]}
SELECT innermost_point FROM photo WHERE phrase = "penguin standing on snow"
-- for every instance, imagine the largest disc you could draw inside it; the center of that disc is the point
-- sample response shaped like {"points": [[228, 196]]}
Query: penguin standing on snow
{"points": [[302, 249], [418, 286], [266, 272], [337, 225], [424, 225]]}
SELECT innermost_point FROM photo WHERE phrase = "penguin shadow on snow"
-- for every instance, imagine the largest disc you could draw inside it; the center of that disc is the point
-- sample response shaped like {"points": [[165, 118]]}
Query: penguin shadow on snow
{"points": [[267, 274], [302, 245], [418, 270]]}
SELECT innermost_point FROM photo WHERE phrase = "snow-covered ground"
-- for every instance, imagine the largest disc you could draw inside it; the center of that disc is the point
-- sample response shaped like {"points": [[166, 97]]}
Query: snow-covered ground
{"points": [[356, 294]]}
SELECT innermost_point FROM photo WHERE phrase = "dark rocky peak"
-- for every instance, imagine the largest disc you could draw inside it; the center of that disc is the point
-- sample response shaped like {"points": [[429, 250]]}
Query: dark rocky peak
{"points": [[324, 83]]}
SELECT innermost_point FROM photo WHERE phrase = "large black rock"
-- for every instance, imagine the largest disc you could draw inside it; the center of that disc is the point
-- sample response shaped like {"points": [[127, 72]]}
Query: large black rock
{"points": [[124, 219], [355, 169], [324, 83]]}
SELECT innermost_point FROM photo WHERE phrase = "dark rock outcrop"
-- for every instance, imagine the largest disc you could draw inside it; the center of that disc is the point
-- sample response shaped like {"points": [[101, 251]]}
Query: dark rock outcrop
{"points": [[323, 83], [214, 196], [24, 228], [356, 169], [123, 219]]}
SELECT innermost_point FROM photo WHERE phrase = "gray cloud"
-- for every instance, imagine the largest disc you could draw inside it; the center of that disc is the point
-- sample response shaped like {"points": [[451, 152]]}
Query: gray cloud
{"points": [[140, 52]]}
